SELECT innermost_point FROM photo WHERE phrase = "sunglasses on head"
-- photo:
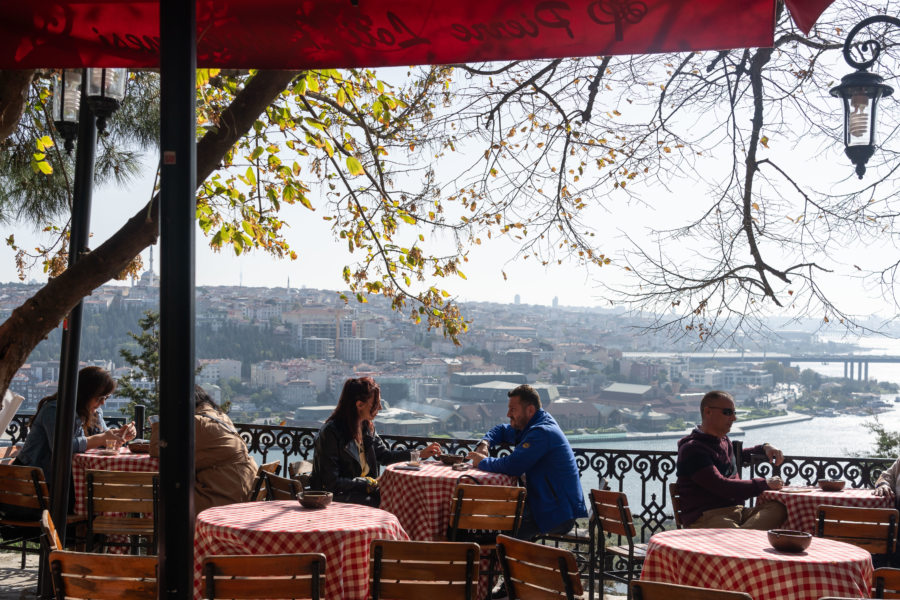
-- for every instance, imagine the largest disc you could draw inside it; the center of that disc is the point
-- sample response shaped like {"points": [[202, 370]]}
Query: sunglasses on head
{"points": [[728, 412]]}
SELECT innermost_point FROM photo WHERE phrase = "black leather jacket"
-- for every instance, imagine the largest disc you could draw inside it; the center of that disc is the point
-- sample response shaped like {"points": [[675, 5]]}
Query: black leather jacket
{"points": [[336, 465]]}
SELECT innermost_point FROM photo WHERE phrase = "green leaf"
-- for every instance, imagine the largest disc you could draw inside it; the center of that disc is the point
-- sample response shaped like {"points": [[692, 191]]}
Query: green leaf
{"points": [[251, 176], [354, 166]]}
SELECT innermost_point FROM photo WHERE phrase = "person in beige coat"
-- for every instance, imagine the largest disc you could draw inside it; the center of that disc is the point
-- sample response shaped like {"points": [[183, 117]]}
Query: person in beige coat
{"points": [[224, 470]]}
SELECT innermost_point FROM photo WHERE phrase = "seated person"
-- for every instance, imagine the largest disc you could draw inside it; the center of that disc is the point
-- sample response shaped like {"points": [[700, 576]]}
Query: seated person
{"points": [[348, 452], [711, 493], [95, 385], [544, 457], [888, 483], [224, 471]]}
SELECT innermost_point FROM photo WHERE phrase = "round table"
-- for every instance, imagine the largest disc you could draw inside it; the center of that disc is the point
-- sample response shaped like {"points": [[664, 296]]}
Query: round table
{"points": [[742, 560], [342, 532], [421, 499], [123, 460], [801, 503]]}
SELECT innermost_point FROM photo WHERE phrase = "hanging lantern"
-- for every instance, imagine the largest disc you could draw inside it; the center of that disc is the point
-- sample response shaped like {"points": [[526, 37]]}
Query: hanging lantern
{"points": [[105, 90], [860, 92], [65, 105]]}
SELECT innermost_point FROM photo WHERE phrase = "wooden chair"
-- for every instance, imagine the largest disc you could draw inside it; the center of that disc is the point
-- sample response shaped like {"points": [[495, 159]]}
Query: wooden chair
{"points": [[102, 576], [613, 517], [25, 488], [873, 529], [281, 488], [264, 576], [886, 583], [301, 470], [535, 570], [654, 590], [478, 513], [51, 538], [414, 570], [675, 499], [134, 494], [259, 485]]}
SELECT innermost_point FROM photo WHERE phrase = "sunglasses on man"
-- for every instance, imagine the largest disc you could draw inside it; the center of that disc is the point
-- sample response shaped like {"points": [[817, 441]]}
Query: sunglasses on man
{"points": [[728, 412]]}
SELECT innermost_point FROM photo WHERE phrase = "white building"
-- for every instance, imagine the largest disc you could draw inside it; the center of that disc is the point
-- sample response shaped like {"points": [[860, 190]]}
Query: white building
{"points": [[217, 369]]}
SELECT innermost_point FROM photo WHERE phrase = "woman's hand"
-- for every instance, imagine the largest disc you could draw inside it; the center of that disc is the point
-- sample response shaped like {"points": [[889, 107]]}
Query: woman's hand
{"points": [[127, 432], [430, 450]]}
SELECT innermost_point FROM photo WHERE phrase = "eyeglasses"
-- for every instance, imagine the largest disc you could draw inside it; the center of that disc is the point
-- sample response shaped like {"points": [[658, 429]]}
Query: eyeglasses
{"points": [[728, 412]]}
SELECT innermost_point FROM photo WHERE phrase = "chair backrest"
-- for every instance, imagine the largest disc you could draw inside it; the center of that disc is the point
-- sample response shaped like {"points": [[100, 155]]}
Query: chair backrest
{"points": [[675, 499], [486, 507], [260, 492], [264, 576], [612, 514], [534, 570], [886, 583], [103, 576], [301, 471], [122, 492], [654, 590], [281, 488], [24, 487], [49, 530], [414, 570], [873, 529]]}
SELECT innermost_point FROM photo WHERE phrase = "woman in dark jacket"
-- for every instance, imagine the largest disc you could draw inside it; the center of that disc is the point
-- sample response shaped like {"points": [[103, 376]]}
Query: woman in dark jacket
{"points": [[348, 452]]}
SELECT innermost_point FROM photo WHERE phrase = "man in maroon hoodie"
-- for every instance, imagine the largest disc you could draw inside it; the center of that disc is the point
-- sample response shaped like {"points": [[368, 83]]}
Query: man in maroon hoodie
{"points": [[710, 491]]}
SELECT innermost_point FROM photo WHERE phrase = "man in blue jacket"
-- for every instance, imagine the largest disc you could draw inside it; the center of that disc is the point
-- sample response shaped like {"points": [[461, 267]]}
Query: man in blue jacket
{"points": [[543, 457]]}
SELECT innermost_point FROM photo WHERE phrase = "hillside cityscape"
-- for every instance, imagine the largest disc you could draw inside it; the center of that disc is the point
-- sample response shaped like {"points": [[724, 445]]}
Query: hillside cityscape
{"points": [[281, 355]]}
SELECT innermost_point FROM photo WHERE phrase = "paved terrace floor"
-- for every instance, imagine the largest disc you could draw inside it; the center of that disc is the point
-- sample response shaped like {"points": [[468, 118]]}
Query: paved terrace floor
{"points": [[16, 583]]}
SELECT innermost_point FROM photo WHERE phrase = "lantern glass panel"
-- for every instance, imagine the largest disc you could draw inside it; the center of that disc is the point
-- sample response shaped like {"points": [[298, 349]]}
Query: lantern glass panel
{"points": [[107, 83], [860, 108], [67, 96]]}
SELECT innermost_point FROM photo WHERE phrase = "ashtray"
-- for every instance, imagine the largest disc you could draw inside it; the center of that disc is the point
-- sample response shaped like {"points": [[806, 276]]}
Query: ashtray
{"points": [[450, 459], [105, 452], [461, 467], [788, 540], [832, 485], [141, 447], [314, 499]]}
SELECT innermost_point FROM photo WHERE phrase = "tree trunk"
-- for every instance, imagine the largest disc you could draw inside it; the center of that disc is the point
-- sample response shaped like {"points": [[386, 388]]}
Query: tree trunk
{"points": [[13, 95], [34, 320]]}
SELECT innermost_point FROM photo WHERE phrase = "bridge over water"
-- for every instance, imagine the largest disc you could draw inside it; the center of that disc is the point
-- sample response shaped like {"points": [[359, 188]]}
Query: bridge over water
{"points": [[856, 366]]}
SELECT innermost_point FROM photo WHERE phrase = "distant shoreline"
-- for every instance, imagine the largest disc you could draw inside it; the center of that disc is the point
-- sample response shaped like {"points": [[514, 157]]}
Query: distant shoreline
{"points": [[662, 435]]}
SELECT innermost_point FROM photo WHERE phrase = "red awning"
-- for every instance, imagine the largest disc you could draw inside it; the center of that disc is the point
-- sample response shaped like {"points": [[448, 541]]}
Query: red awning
{"points": [[298, 34]]}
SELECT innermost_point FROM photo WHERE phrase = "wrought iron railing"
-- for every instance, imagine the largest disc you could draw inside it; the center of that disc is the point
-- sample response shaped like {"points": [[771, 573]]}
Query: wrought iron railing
{"points": [[643, 474]]}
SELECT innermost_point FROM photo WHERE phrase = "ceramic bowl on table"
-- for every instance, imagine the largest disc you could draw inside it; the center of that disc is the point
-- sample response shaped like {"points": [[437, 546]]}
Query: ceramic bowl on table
{"points": [[450, 459], [138, 446], [313, 499], [788, 540], [832, 485]]}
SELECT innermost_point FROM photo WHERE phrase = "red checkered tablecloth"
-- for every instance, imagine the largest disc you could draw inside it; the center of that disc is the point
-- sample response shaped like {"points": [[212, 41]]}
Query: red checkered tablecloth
{"points": [[421, 499], [801, 503], [342, 532], [742, 560], [125, 460]]}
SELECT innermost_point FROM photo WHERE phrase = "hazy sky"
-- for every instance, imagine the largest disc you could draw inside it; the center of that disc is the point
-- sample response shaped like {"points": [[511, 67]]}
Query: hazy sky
{"points": [[321, 258]]}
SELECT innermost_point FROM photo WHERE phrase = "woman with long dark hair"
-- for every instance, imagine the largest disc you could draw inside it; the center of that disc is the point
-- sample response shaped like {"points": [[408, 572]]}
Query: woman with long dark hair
{"points": [[95, 385], [348, 452]]}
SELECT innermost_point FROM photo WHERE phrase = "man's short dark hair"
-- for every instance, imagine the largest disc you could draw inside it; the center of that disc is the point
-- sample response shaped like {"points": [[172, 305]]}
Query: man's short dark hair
{"points": [[711, 397], [526, 395]]}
